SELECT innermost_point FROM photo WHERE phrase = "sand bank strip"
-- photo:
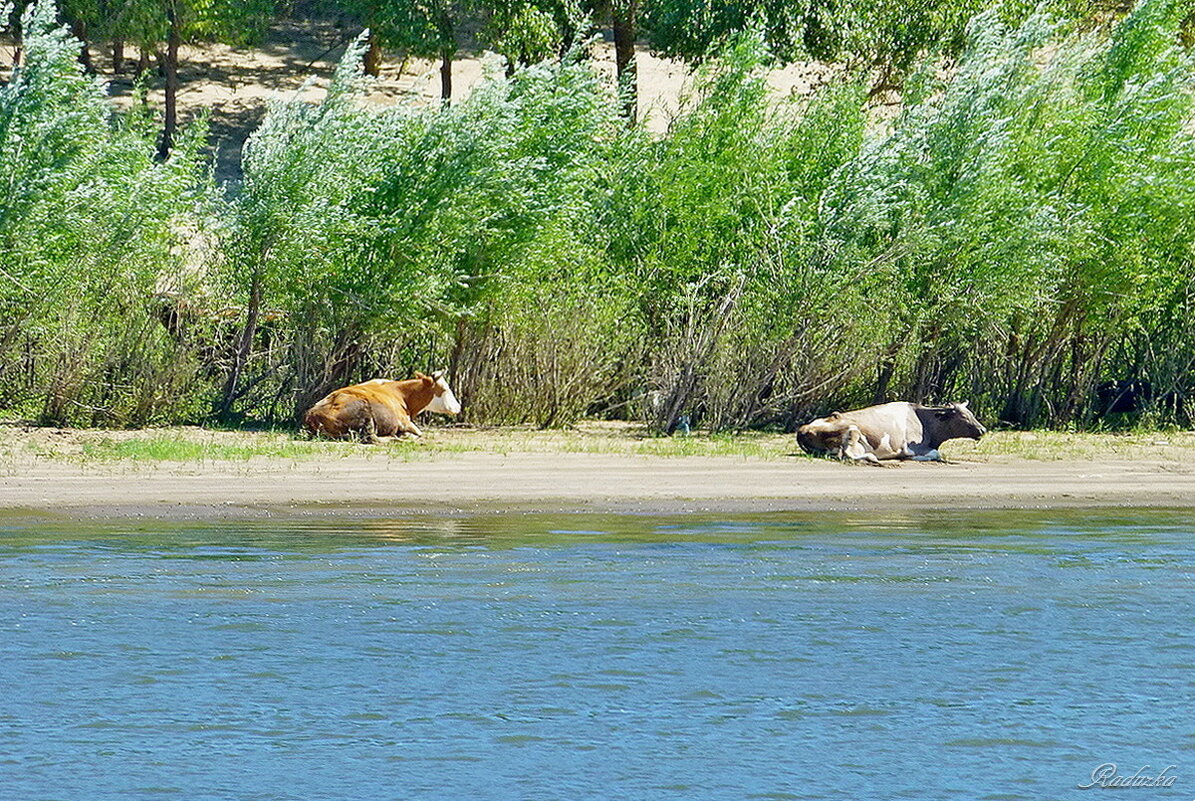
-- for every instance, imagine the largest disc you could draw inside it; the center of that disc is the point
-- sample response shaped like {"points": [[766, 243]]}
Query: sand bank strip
{"points": [[536, 482]]}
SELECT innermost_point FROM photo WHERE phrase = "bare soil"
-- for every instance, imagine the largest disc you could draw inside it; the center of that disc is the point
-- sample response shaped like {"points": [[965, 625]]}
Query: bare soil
{"points": [[43, 472]]}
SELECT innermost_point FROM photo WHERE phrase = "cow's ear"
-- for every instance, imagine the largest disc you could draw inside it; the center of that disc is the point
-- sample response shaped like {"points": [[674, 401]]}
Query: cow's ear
{"points": [[420, 376]]}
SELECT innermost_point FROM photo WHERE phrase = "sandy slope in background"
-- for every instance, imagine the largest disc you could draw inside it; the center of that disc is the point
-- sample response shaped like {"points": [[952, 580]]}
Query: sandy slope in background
{"points": [[379, 484]]}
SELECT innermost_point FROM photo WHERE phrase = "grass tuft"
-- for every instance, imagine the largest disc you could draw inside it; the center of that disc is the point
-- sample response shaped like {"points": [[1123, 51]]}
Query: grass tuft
{"points": [[197, 446]]}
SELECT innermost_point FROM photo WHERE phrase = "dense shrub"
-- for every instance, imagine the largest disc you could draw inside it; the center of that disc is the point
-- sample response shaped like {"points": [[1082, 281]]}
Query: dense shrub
{"points": [[390, 240], [1030, 218], [720, 229], [1018, 235], [91, 227]]}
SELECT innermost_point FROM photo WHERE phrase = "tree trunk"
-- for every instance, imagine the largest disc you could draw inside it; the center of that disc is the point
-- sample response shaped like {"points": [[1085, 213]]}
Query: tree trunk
{"points": [[241, 357], [568, 35], [446, 75], [373, 56], [118, 56], [17, 38], [170, 67], [884, 372], [142, 62], [622, 14], [447, 51], [79, 31]]}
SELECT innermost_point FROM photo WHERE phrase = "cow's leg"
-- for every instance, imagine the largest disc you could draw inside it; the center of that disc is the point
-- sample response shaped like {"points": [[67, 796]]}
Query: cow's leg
{"points": [[369, 433], [354, 421], [855, 447], [403, 425]]}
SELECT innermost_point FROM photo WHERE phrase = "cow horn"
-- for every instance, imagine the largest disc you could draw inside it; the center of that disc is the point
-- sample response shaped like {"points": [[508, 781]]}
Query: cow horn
{"points": [[438, 374], [963, 405]]}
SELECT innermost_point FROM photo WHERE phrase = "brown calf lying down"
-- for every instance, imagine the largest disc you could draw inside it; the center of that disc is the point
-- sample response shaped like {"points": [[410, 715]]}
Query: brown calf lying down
{"points": [[381, 407], [889, 431]]}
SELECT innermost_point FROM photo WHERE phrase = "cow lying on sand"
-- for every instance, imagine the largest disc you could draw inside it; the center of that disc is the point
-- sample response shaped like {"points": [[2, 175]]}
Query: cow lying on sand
{"points": [[381, 407], [889, 431]]}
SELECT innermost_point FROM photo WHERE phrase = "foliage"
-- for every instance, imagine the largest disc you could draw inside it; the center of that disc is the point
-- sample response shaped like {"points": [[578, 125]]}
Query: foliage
{"points": [[888, 37], [695, 31], [1018, 235], [1030, 216], [391, 238], [146, 21], [720, 233], [418, 28], [525, 33], [89, 228]]}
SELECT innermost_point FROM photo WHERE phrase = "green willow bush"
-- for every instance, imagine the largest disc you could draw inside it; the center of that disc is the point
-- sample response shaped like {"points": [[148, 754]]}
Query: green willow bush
{"points": [[719, 227], [1018, 235], [391, 240], [90, 230], [1029, 220]]}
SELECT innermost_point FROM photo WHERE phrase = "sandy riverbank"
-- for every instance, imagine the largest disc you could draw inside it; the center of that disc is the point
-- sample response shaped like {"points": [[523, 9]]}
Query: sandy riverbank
{"points": [[525, 475]]}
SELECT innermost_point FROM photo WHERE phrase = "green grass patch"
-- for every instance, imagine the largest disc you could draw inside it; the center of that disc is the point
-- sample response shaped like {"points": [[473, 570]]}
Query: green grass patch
{"points": [[194, 445], [168, 448]]}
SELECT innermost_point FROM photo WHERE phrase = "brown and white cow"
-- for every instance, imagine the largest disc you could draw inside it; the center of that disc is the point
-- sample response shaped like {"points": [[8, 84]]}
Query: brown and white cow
{"points": [[890, 431], [381, 407]]}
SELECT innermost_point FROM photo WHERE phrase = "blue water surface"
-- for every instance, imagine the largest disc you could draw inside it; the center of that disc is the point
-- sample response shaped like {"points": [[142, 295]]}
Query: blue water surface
{"points": [[973, 656]]}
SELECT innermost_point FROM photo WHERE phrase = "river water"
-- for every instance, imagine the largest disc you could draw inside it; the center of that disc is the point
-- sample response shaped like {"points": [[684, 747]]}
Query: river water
{"points": [[975, 656]]}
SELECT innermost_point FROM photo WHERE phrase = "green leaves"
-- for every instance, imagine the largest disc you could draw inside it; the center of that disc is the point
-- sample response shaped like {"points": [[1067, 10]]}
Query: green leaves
{"points": [[1026, 203], [90, 228], [1018, 233], [418, 28], [373, 227]]}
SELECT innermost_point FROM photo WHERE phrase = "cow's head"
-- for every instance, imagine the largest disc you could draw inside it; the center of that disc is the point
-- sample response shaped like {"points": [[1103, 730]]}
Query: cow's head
{"points": [[443, 401], [821, 435], [955, 420]]}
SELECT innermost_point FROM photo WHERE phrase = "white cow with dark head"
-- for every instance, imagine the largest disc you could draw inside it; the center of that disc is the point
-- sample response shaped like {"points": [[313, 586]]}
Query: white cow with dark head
{"points": [[897, 430]]}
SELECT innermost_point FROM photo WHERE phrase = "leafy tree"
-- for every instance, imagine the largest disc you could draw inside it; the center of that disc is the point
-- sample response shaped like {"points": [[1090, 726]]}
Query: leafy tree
{"points": [[718, 223], [1017, 235], [695, 31], [178, 21], [151, 23], [888, 37], [525, 33], [468, 226], [1029, 217], [91, 226], [424, 29]]}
